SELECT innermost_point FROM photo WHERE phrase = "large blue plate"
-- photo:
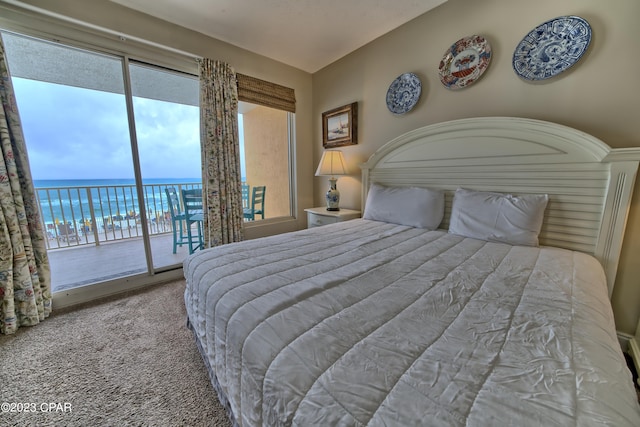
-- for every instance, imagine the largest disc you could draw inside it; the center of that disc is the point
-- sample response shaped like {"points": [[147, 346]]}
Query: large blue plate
{"points": [[551, 48], [403, 94]]}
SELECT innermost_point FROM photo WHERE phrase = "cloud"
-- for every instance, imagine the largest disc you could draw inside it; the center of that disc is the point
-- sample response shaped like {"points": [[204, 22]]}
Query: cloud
{"points": [[75, 133]]}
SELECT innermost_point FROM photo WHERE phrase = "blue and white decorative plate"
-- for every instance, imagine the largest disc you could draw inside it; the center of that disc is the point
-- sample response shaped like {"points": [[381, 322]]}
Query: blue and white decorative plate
{"points": [[551, 48], [403, 94]]}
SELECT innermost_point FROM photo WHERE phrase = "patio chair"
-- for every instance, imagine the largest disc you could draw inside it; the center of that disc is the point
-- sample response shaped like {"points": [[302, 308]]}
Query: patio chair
{"points": [[67, 233], [177, 218], [257, 204], [193, 214]]}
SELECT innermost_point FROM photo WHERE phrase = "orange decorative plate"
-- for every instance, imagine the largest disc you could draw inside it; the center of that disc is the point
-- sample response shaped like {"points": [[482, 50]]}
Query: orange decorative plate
{"points": [[464, 62]]}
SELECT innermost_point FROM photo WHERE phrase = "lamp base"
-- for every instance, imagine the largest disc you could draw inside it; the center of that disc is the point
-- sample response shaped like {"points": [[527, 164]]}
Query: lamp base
{"points": [[333, 196]]}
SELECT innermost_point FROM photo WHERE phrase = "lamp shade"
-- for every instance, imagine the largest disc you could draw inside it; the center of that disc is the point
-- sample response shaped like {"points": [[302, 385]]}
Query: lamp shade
{"points": [[331, 164]]}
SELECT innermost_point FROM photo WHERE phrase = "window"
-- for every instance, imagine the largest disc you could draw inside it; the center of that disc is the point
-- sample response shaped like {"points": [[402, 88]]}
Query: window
{"points": [[266, 111], [264, 136]]}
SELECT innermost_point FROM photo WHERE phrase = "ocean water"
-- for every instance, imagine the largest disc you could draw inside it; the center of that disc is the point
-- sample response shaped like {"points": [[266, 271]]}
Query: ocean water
{"points": [[72, 200], [42, 183]]}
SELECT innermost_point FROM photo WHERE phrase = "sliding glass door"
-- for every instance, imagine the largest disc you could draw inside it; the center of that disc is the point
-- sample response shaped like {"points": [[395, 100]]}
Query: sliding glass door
{"points": [[167, 122], [105, 138]]}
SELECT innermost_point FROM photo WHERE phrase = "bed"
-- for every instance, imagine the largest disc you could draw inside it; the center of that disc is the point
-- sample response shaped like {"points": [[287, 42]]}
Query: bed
{"points": [[392, 320]]}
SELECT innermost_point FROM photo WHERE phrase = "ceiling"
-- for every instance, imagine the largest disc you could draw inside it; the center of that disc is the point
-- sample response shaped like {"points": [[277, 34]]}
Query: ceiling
{"points": [[306, 34]]}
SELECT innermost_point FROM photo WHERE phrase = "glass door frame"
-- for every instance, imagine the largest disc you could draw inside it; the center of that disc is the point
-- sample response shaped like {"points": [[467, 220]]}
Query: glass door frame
{"points": [[137, 172]]}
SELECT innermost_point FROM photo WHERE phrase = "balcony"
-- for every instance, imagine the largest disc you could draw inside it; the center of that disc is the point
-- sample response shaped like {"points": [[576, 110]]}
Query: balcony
{"points": [[92, 215], [94, 233]]}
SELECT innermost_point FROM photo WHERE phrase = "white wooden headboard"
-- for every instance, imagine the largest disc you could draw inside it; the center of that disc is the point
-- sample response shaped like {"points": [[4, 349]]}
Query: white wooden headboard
{"points": [[589, 184]]}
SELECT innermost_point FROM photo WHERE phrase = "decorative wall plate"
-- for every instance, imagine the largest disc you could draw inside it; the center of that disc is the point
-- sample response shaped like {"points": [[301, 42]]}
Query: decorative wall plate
{"points": [[403, 94], [551, 48], [464, 62]]}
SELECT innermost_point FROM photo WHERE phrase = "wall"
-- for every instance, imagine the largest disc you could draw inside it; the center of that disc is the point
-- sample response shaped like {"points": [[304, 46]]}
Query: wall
{"points": [[135, 27], [599, 95]]}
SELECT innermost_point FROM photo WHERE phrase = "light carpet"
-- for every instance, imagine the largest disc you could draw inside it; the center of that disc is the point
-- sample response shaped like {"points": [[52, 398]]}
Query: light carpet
{"points": [[126, 361]]}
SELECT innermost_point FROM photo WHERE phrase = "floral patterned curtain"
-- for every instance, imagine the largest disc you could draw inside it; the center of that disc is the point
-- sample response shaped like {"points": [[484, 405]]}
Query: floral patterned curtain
{"points": [[25, 276], [221, 176]]}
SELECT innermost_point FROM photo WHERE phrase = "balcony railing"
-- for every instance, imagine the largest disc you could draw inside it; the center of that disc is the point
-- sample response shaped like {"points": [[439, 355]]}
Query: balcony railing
{"points": [[90, 215]]}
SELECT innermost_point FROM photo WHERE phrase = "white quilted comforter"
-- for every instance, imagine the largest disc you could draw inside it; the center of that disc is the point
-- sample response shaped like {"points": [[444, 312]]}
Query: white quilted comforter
{"points": [[368, 323]]}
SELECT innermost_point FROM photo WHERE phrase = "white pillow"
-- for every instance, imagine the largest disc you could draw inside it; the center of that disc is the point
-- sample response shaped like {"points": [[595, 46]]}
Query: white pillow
{"points": [[411, 206], [498, 217]]}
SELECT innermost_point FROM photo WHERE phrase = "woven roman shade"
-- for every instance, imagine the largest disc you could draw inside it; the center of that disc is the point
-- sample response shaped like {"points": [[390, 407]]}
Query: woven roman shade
{"points": [[256, 91]]}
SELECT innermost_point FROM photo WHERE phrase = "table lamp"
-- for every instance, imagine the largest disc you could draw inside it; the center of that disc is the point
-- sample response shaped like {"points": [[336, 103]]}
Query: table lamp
{"points": [[332, 164]]}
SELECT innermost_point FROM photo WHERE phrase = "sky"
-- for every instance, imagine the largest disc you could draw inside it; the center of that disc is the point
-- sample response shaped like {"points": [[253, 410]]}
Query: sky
{"points": [[75, 133]]}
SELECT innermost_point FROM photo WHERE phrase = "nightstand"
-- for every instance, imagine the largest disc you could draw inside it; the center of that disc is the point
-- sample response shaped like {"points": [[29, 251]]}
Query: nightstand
{"points": [[321, 216]]}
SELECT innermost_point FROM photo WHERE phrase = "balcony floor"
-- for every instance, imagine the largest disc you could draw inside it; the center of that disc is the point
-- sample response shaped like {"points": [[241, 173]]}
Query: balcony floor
{"points": [[81, 265]]}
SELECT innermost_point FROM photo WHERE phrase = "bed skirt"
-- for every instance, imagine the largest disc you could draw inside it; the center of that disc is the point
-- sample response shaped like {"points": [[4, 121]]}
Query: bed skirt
{"points": [[213, 378]]}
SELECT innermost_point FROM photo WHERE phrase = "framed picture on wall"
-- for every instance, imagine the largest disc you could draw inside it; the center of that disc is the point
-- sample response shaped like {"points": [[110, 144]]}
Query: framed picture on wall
{"points": [[340, 126]]}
